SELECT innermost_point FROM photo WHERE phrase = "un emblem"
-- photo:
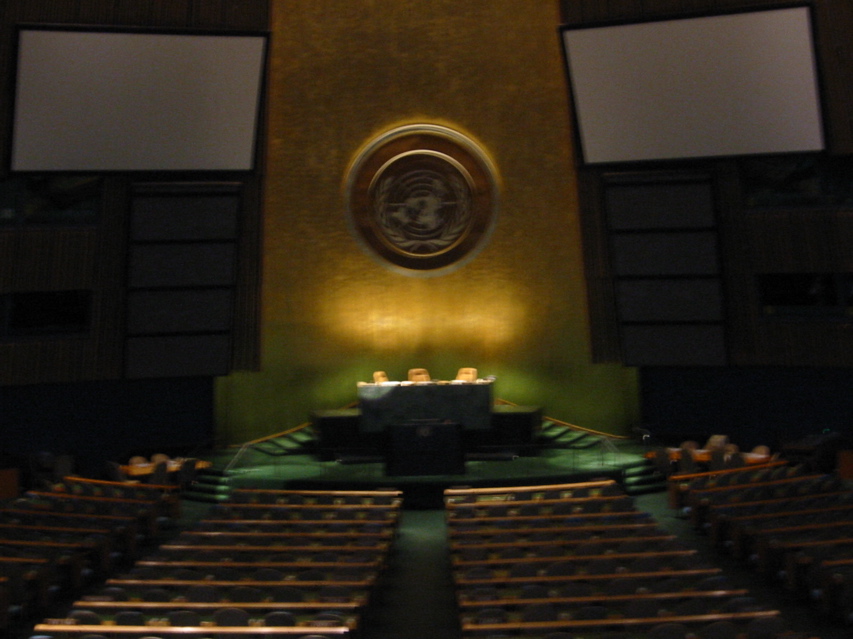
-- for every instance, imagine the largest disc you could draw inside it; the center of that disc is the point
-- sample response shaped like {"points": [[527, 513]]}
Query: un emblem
{"points": [[422, 198]]}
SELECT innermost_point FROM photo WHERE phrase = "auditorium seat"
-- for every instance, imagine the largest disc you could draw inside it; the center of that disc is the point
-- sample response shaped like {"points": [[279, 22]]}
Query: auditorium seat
{"points": [[129, 618], [279, 618], [85, 617], [231, 617], [183, 618]]}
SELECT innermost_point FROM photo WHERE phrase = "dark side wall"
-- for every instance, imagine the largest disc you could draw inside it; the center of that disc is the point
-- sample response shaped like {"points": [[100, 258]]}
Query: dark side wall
{"points": [[741, 367], [108, 420], [74, 394], [772, 406]]}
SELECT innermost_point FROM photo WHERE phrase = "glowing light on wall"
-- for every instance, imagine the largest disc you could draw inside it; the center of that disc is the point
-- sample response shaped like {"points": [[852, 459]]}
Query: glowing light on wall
{"points": [[407, 318]]}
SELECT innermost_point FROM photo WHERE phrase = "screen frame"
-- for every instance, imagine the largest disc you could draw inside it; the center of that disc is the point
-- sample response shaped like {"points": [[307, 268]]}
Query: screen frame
{"points": [[254, 109], [585, 158]]}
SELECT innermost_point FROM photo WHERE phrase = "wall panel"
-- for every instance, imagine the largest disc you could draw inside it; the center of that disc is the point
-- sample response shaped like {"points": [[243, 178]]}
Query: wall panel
{"points": [[751, 241], [334, 312], [239, 14], [604, 325], [95, 257]]}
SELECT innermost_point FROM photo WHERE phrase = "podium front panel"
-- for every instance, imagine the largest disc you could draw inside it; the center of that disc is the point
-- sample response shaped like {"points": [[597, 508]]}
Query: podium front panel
{"points": [[468, 405], [425, 448]]}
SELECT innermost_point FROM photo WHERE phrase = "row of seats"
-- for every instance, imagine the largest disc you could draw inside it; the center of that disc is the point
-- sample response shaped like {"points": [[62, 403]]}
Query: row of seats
{"points": [[54, 543], [309, 513], [167, 495], [717, 454], [237, 578], [160, 470], [680, 485], [793, 526], [345, 498], [596, 573], [703, 505]]}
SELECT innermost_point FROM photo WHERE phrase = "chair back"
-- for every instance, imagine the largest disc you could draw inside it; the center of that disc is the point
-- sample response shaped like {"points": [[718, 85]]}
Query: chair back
{"points": [[419, 375], [467, 374]]}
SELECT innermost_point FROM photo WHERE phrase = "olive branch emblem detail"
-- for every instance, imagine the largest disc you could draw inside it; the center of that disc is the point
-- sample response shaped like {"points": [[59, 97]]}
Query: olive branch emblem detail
{"points": [[422, 212]]}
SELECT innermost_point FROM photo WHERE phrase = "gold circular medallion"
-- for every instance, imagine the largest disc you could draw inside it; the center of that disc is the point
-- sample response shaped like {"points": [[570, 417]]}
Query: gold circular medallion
{"points": [[422, 198]]}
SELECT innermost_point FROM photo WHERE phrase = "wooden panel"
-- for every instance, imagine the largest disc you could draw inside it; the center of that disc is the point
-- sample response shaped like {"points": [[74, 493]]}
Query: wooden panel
{"points": [[55, 259], [109, 280], [7, 40], [623, 9], [662, 202], [751, 242], [9, 484], [239, 14], [179, 311], [802, 344], [665, 300], [664, 253], [179, 217], [178, 356], [247, 14], [793, 241], [247, 297], [658, 8], [674, 345], [571, 12], [193, 205], [604, 329], [47, 10], [834, 26], [583, 11], [7, 262], [97, 12], [132, 12], [46, 361], [170, 265], [175, 13], [800, 241]]}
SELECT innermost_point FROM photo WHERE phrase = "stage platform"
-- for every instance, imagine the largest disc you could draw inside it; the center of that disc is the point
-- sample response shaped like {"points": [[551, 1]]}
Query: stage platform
{"points": [[273, 465]]}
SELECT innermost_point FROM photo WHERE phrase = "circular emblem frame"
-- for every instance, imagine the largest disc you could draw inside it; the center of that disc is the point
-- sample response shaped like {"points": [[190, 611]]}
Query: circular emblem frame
{"points": [[422, 197]]}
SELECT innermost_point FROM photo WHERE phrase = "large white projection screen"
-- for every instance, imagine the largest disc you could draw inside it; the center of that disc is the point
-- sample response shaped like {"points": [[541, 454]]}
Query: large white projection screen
{"points": [[122, 101], [721, 85]]}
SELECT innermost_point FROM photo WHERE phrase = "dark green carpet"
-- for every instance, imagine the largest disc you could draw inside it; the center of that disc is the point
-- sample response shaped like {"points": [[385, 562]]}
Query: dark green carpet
{"points": [[416, 599]]}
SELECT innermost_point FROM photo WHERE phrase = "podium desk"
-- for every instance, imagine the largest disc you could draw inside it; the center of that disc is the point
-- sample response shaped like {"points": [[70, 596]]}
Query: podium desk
{"points": [[383, 405]]}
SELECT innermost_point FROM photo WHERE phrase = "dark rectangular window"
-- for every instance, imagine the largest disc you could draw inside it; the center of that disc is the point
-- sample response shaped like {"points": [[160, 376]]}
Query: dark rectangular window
{"points": [[58, 200], [46, 313], [806, 295]]}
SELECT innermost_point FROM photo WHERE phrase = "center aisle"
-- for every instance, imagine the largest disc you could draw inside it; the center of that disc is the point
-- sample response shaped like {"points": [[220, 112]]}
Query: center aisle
{"points": [[416, 599]]}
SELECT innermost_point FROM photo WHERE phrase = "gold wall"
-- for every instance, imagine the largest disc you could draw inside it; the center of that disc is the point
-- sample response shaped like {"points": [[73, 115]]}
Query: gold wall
{"points": [[342, 73]]}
